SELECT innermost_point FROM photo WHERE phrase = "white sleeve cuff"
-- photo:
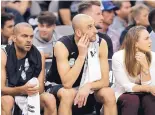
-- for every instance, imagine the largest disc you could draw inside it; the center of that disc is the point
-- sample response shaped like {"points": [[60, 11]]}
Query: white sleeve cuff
{"points": [[128, 87]]}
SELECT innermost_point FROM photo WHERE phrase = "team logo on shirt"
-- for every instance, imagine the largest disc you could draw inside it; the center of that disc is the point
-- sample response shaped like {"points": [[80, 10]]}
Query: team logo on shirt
{"points": [[26, 67], [71, 62]]}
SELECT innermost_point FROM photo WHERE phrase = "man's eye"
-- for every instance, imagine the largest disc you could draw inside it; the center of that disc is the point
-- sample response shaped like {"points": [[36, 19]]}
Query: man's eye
{"points": [[24, 36], [89, 27]]}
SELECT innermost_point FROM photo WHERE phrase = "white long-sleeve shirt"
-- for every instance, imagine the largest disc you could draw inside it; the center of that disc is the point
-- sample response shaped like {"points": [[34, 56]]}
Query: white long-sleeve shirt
{"points": [[124, 82]]}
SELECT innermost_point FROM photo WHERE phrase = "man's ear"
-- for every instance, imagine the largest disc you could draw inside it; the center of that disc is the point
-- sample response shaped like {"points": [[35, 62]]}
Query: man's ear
{"points": [[117, 12], [78, 33], [136, 19]]}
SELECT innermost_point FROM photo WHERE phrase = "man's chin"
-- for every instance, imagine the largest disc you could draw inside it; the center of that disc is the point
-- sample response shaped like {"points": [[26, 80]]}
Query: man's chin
{"points": [[45, 38], [28, 49]]}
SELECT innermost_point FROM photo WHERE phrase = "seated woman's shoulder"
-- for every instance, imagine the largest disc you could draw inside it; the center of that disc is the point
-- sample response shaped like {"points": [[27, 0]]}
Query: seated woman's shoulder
{"points": [[153, 55], [118, 55]]}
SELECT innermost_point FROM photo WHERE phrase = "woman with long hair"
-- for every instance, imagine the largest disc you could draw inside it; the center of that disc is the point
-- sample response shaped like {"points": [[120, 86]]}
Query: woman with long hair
{"points": [[134, 71]]}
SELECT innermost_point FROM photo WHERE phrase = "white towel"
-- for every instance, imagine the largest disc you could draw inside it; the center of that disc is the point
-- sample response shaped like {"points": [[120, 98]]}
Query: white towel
{"points": [[92, 70], [29, 105]]}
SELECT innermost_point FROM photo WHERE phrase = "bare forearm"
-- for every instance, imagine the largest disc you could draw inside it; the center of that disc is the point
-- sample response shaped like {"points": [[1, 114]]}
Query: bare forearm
{"points": [[99, 84], [14, 91], [150, 3], [46, 55], [41, 89], [74, 72], [20, 8], [145, 75], [66, 16], [24, 5], [141, 88]]}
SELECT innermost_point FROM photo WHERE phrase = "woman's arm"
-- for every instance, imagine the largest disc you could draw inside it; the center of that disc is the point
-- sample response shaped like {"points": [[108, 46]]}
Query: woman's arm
{"points": [[121, 76]]}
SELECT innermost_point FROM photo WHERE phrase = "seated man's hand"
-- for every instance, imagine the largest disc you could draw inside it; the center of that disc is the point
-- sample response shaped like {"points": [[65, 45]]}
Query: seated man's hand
{"points": [[30, 89], [82, 95]]}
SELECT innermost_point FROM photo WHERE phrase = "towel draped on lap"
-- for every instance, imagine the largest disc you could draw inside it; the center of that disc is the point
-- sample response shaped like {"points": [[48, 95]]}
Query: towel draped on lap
{"points": [[29, 105]]}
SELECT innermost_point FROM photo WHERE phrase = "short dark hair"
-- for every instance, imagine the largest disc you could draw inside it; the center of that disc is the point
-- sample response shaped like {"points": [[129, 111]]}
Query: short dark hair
{"points": [[83, 6], [47, 18], [152, 19], [118, 4], [6, 17]]}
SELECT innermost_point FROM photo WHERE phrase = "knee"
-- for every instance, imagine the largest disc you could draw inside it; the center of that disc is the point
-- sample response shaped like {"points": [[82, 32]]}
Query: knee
{"points": [[130, 100], [67, 94], [48, 100], [108, 96], [7, 101]]}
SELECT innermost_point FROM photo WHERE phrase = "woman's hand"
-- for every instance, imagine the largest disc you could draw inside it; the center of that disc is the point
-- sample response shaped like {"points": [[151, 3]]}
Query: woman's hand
{"points": [[141, 58]]}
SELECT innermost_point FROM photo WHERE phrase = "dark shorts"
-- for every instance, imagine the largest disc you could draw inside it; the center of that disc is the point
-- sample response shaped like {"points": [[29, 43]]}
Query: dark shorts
{"points": [[53, 89], [89, 108]]}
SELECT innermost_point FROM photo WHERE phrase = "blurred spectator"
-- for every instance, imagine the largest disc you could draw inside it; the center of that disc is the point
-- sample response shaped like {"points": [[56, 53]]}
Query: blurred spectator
{"points": [[20, 6], [93, 9], [67, 10], [53, 7], [108, 16], [23, 7], [45, 36], [132, 2], [121, 19], [149, 3], [26, 8], [152, 24], [7, 25], [138, 16], [18, 17], [44, 4]]}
